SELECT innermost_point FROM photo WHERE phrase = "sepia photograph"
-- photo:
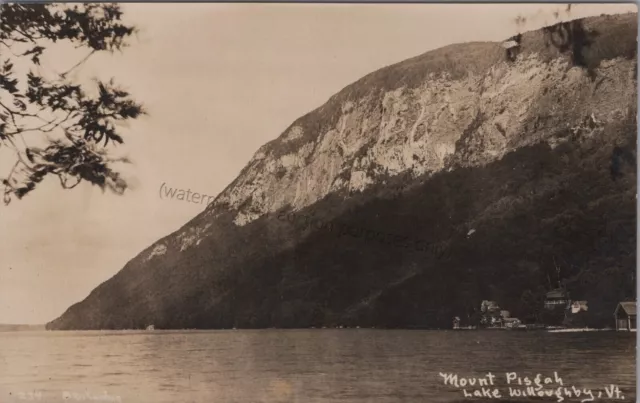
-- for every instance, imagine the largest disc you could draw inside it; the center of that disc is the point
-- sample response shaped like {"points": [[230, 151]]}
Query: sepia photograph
{"points": [[318, 202]]}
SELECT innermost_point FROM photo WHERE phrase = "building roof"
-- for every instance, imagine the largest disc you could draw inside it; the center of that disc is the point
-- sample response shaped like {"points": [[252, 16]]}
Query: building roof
{"points": [[557, 293], [510, 44], [629, 307], [577, 306], [489, 306]]}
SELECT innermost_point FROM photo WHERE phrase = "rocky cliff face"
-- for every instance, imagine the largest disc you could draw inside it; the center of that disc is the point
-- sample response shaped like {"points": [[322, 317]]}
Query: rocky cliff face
{"points": [[491, 152]]}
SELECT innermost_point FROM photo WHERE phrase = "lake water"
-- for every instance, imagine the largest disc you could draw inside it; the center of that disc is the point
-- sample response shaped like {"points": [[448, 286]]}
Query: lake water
{"points": [[349, 365]]}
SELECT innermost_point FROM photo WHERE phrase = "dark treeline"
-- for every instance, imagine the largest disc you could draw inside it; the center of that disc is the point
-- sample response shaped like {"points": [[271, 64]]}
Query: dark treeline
{"points": [[535, 210]]}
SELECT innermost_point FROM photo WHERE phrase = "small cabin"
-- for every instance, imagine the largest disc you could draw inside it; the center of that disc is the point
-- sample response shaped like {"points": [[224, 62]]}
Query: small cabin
{"points": [[489, 307], [625, 316], [558, 298], [510, 44], [512, 47], [490, 313]]}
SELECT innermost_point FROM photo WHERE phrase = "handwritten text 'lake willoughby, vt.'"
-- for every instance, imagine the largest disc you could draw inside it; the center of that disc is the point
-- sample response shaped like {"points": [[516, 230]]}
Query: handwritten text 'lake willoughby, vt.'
{"points": [[487, 387]]}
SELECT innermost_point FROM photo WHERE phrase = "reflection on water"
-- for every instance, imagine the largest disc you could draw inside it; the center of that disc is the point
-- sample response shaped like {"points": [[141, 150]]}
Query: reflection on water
{"points": [[350, 365]]}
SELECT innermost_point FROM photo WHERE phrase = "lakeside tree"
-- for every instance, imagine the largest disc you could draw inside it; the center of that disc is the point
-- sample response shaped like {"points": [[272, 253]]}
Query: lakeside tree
{"points": [[53, 125]]}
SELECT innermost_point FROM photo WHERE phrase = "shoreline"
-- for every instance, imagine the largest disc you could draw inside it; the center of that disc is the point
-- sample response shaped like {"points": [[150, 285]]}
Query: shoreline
{"points": [[535, 329]]}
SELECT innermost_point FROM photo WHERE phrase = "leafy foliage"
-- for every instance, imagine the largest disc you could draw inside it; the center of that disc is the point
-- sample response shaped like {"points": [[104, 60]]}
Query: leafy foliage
{"points": [[74, 123]]}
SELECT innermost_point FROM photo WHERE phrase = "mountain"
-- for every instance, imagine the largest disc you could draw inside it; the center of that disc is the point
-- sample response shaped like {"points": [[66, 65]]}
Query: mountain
{"points": [[472, 172]]}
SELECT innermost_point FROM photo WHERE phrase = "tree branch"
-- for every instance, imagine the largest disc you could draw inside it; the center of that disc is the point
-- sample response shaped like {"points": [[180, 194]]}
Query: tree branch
{"points": [[64, 75]]}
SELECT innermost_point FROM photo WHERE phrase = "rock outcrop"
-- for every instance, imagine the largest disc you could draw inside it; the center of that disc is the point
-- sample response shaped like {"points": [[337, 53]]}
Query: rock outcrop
{"points": [[508, 158]]}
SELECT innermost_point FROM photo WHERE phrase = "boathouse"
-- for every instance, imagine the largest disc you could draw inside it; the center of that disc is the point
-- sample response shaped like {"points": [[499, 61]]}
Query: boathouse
{"points": [[625, 316]]}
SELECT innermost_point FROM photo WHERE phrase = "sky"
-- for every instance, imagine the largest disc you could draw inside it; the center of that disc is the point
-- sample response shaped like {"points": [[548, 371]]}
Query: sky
{"points": [[218, 81]]}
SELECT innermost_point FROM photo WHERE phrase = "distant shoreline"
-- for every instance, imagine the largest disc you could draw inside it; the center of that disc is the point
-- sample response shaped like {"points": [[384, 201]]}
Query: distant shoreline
{"points": [[539, 330], [20, 327]]}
